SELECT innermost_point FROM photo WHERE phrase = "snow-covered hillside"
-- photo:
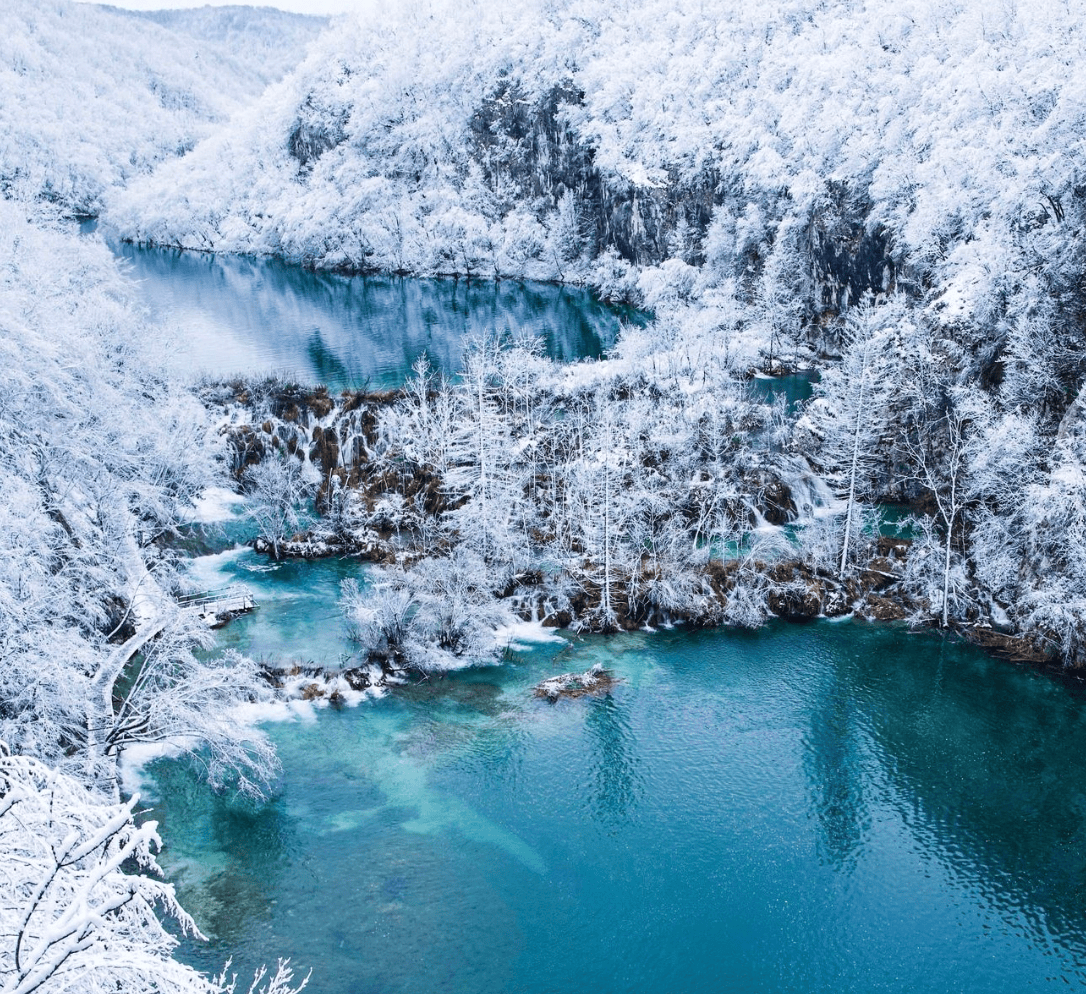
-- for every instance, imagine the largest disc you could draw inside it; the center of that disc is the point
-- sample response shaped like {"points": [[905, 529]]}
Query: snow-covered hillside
{"points": [[101, 455], [818, 146], [92, 96], [268, 42]]}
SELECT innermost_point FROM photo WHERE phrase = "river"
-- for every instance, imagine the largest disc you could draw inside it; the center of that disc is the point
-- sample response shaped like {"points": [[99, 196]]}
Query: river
{"points": [[820, 808]]}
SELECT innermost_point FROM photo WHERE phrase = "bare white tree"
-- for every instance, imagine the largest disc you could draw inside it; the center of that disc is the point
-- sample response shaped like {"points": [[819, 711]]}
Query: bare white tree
{"points": [[277, 493], [848, 421], [71, 919], [939, 456]]}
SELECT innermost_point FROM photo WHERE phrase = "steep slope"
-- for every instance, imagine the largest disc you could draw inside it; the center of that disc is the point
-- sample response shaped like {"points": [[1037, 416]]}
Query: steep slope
{"points": [[101, 455], [93, 96]]}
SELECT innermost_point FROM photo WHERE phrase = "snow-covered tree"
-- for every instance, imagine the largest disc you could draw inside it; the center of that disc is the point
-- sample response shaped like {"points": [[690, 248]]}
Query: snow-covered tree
{"points": [[102, 454], [276, 495], [939, 458], [849, 421], [81, 905]]}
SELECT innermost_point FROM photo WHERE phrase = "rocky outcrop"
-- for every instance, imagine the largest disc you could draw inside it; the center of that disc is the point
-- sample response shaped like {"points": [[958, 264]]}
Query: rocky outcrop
{"points": [[593, 682]]}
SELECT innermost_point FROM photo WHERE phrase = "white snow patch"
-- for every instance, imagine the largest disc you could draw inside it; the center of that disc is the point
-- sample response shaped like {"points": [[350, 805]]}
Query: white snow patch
{"points": [[216, 504], [131, 767], [999, 616], [524, 634]]}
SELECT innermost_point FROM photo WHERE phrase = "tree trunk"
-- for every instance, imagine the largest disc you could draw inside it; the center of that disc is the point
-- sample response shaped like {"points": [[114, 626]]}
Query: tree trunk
{"points": [[855, 462], [606, 542], [946, 573]]}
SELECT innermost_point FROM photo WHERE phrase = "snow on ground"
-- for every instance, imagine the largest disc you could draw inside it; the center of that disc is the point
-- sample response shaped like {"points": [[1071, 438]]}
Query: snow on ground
{"points": [[217, 504]]}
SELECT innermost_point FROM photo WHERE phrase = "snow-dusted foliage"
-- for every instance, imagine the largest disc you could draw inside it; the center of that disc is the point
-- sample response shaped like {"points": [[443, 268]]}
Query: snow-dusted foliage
{"points": [[101, 457], [807, 152], [276, 492], [71, 918], [981, 441], [598, 497], [439, 615], [93, 96], [847, 428]]}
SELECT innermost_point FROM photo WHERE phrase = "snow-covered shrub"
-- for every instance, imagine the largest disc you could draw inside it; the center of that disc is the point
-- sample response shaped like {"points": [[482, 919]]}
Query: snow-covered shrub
{"points": [[71, 918], [439, 615]]}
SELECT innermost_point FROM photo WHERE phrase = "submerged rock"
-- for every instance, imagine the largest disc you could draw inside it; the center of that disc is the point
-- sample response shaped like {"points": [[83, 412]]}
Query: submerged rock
{"points": [[596, 680], [1015, 648]]}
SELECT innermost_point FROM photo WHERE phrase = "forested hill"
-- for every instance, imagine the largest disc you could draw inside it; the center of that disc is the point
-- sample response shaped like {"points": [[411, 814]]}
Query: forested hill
{"points": [[270, 42], [796, 149], [92, 96]]}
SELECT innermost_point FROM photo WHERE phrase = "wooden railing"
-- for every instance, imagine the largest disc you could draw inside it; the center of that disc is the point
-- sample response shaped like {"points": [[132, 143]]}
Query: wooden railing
{"points": [[233, 599]]}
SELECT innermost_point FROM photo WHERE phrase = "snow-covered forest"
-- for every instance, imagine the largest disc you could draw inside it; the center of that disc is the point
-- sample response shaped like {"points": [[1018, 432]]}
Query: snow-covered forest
{"points": [[94, 96], [887, 195]]}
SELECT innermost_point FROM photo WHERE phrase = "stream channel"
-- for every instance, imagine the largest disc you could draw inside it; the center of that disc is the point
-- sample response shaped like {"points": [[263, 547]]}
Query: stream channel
{"points": [[825, 807]]}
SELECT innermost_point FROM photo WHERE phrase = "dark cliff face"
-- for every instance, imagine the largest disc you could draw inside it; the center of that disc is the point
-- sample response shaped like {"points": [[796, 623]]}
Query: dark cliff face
{"points": [[648, 225], [527, 150], [528, 153], [849, 257]]}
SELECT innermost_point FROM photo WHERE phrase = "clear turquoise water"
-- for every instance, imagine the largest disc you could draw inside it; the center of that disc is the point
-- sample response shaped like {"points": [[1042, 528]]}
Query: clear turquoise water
{"points": [[795, 388], [229, 315], [829, 807]]}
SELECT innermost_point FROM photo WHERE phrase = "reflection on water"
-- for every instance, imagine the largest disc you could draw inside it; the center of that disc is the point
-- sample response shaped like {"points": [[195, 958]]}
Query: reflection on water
{"points": [[836, 768], [616, 781], [232, 314], [984, 762], [824, 808]]}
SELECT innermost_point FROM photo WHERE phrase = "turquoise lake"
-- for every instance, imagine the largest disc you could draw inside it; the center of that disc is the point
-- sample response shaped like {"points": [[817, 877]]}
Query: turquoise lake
{"points": [[227, 315], [828, 807], [831, 807]]}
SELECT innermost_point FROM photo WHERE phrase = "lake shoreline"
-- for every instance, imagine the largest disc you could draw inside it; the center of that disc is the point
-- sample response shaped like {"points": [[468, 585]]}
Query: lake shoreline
{"points": [[337, 440]]}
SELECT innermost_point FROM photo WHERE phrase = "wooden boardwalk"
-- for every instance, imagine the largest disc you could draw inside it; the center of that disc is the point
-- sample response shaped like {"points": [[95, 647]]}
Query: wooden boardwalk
{"points": [[217, 607]]}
